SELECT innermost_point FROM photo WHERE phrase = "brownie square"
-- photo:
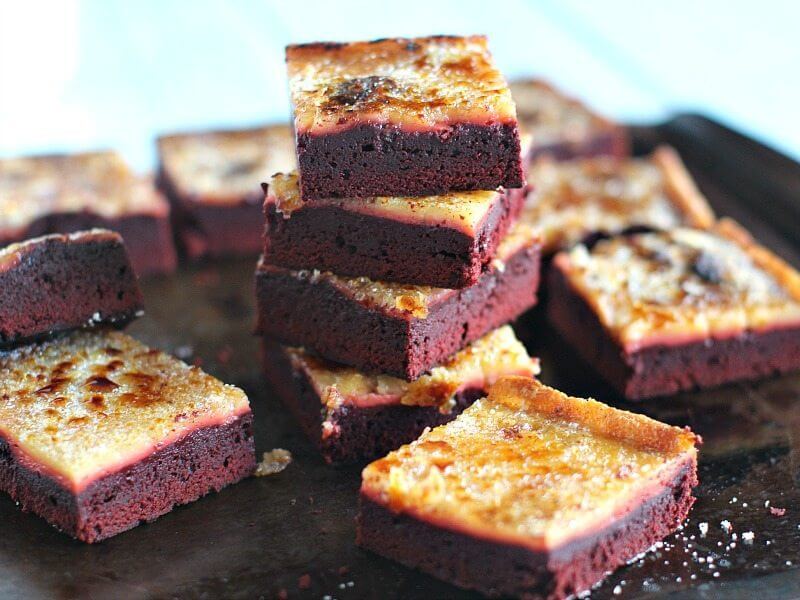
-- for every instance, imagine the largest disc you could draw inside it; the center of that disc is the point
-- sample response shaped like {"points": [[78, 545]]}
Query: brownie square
{"points": [[99, 433], [60, 282], [443, 241], [660, 313], [562, 127], [402, 117], [354, 417], [529, 493], [390, 328], [65, 193], [212, 179], [584, 199]]}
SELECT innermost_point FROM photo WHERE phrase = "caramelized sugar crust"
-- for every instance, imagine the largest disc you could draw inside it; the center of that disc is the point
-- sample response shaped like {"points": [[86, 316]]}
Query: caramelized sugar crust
{"points": [[87, 404], [683, 284], [419, 82], [414, 300], [99, 182], [532, 466], [223, 166], [574, 199], [464, 211], [478, 365]]}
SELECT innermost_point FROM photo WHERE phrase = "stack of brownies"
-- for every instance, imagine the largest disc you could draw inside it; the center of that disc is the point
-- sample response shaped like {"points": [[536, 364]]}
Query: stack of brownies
{"points": [[394, 257]]}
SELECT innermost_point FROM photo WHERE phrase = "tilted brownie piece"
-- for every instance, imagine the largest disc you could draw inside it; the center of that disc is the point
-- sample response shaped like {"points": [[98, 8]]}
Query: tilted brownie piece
{"points": [[658, 313], [444, 241], [99, 433], [529, 493], [213, 178], [73, 192], [577, 200], [562, 127], [390, 328], [354, 417], [402, 117], [61, 282]]}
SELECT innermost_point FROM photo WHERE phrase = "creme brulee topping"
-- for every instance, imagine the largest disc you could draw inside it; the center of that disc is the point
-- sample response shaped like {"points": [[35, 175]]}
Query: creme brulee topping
{"points": [[574, 199], [478, 365], [226, 165], [416, 300], [89, 402], [422, 81], [464, 211], [683, 282], [98, 182], [506, 468], [549, 117]]}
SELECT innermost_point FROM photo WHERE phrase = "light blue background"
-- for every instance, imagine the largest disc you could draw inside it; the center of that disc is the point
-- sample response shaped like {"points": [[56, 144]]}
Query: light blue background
{"points": [[79, 75]]}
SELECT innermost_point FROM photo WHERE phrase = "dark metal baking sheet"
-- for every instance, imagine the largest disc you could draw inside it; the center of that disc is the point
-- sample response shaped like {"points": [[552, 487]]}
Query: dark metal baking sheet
{"points": [[279, 533]]}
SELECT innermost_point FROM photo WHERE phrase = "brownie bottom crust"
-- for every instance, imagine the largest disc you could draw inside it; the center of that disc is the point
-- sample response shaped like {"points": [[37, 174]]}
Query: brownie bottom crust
{"points": [[324, 320], [365, 161], [351, 434], [497, 569], [60, 286], [349, 243], [205, 460], [661, 370]]}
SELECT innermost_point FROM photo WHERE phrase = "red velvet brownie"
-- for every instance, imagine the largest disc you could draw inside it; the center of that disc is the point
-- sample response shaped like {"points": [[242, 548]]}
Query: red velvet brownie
{"points": [[402, 117], [562, 127], [68, 193], [213, 181], [391, 328], [60, 282], [658, 313], [99, 433], [444, 241], [576, 200], [529, 493], [353, 416]]}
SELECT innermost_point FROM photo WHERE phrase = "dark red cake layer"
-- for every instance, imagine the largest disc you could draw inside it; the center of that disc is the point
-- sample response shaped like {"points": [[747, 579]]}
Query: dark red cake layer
{"points": [[322, 318], [61, 284], [365, 161], [661, 370], [607, 143], [348, 242], [359, 434], [148, 238], [206, 460], [209, 230], [499, 569]]}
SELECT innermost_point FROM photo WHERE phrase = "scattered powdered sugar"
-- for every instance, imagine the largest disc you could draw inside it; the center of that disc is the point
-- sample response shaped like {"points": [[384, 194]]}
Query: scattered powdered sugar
{"points": [[273, 462], [703, 527], [748, 537], [726, 525]]}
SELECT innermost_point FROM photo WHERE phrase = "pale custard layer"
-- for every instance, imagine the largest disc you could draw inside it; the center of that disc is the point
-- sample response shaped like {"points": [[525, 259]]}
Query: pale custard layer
{"points": [[98, 182], [88, 404], [478, 365], [421, 82], [683, 284], [530, 465], [464, 211], [224, 166]]}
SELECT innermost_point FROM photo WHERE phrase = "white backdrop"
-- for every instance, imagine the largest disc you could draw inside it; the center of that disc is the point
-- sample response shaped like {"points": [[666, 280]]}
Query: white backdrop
{"points": [[83, 74]]}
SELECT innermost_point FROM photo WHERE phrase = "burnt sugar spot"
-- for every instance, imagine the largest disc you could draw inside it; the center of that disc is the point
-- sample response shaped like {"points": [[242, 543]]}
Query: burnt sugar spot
{"points": [[361, 91], [145, 389], [100, 383], [96, 402], [56, 385], [113, 365], [111, 351]]}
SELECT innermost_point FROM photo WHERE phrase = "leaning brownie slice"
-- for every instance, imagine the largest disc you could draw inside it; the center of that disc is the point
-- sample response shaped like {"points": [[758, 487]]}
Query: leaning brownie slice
{"points": [[212, 180], [442, 241], [529, 493], [578, 200], [657, 313], [402, 117], [353, 416], [99, 433], [73, 192], [562, 127], [60, 282], [395, 329]]}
